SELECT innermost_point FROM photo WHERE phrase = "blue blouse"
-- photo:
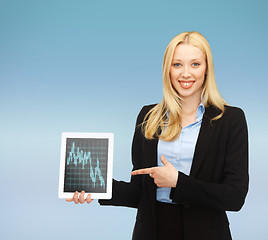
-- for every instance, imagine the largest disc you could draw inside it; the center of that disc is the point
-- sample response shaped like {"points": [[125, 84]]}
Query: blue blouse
{"points": [[179, 152]]}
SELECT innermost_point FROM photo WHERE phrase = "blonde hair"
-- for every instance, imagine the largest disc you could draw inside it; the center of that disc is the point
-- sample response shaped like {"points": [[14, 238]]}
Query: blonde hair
{"points": [[156, 119]]}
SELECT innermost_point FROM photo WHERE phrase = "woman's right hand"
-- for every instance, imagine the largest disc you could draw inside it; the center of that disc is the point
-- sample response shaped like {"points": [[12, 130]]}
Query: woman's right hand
{"points": [[81, 199]]}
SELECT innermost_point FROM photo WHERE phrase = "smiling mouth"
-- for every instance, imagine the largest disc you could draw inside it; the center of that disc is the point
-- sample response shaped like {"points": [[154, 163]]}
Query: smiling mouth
{"points": [[186, 84]]}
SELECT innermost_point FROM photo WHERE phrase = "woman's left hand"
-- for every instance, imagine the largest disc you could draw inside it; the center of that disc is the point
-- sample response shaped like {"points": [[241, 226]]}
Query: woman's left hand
{"points": [[165, 176]]}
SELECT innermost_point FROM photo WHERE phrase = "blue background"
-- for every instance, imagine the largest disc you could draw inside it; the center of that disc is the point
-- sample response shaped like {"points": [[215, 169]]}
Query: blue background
{"points": [[90, 66]]}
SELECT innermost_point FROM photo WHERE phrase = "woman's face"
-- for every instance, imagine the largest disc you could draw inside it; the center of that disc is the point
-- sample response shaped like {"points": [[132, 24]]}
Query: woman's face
{"points": [[187, 71]]}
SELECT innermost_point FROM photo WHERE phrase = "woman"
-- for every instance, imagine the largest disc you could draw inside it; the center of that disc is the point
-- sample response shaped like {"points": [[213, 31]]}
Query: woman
{"points": [[189, 153]]}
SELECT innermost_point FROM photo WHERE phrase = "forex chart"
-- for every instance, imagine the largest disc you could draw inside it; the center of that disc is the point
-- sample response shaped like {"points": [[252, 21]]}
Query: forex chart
{"points": [[86, 165]]}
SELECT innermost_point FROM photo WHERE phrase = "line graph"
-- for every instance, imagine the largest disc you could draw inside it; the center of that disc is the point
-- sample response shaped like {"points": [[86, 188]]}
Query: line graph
{"points": [[86, 165]]}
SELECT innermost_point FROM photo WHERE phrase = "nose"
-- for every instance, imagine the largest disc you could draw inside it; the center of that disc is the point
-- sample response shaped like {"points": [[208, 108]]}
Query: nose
{"points": [[185, 72]]}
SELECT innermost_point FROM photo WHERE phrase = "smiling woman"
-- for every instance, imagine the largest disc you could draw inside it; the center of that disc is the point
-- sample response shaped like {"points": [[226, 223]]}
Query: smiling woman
{"points": [[187, 55], [189, 153]]}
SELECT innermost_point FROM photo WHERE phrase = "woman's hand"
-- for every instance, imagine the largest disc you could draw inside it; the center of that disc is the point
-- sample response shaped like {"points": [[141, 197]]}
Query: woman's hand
{"points": [[165, 176], [81, 199]]}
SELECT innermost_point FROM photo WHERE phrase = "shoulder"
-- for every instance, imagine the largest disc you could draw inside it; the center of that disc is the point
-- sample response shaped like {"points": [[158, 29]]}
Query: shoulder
{"points": [[233, 118], [230, 112], [231, 125], [234, 114], [145, 109]]}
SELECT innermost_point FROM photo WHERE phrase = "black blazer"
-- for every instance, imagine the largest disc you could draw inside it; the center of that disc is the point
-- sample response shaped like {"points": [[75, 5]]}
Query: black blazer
{"points": [[218, 179]]}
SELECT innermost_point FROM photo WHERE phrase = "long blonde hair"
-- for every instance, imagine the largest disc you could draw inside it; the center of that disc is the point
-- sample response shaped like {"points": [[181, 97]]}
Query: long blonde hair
{"points": [[156, 119]]}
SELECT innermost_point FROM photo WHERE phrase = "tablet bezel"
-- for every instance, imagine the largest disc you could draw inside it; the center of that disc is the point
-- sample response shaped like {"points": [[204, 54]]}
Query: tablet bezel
{"points": [[79, 135]]}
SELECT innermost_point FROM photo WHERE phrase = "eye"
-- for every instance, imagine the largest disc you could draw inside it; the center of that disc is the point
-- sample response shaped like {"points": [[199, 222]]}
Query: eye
{"points": [[176, 64], [196, 64]]}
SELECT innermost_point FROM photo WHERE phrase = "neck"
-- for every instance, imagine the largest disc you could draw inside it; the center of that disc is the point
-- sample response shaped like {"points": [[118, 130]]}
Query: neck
{"points": [[190, 105]]}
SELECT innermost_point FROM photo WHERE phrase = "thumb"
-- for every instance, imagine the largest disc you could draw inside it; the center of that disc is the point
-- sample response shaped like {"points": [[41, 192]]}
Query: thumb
{"points": [[164, 160]]}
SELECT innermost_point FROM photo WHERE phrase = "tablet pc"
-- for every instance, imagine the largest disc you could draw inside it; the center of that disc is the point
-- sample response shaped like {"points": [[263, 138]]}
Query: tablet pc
{"points": [[86, 163]]}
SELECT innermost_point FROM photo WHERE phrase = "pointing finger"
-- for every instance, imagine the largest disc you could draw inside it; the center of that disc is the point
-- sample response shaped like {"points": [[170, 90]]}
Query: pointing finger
{"points": [[143, 171]]}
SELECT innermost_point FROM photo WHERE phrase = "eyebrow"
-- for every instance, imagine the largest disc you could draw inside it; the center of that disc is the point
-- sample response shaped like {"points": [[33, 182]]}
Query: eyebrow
{"points": [[195, 59]]}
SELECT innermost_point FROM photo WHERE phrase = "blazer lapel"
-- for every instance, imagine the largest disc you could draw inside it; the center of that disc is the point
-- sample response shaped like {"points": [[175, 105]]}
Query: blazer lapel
{"points": [[150, 160], [203, 140]]}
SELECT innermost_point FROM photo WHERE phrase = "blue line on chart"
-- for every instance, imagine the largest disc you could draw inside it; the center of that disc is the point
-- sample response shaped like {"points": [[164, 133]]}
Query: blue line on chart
{"points": [[84, 158]]}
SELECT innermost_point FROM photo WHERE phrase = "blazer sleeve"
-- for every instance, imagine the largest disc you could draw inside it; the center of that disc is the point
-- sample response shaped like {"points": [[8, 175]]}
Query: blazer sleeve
{"points": [[229, 194], [128, 193]]}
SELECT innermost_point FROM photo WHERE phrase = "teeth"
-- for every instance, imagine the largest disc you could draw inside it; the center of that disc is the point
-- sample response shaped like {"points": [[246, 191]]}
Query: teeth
{"points": [[185, 83]]}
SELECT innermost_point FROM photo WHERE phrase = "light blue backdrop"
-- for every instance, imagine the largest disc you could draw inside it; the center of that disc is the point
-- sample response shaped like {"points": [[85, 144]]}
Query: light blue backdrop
{"points": [[90, 66]]}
